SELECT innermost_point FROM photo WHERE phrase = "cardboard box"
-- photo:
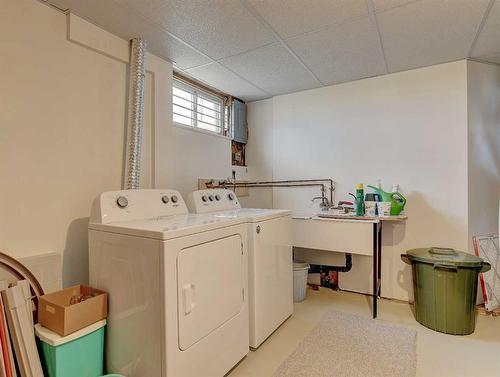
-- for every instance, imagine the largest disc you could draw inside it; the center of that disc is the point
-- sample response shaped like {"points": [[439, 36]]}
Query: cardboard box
{"points": [[56, 312]]}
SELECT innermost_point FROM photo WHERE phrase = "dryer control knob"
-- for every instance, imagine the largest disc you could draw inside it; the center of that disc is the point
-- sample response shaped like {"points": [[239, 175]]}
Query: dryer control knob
{"points": [[204, 198], [165, 199], [230, 196], [174, 199], [211, 198], [217, 197], [122, 202]]}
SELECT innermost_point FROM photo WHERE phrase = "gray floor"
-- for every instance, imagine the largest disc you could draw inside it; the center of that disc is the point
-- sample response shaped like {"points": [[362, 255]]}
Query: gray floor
{"points": [[437, 354]]}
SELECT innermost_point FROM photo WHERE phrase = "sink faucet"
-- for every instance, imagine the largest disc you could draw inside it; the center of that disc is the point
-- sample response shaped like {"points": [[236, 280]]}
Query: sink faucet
{"points": [[325, 204]]}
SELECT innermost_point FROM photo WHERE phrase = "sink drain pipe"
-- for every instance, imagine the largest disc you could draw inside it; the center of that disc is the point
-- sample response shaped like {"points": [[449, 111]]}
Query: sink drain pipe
{"points": [[346, 268], [135, 123]]}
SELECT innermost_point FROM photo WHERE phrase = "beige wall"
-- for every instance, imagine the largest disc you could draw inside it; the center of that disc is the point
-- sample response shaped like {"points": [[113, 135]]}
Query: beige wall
{"points": [[408, 128], [63, 86], [483, 87], [259, 153]]}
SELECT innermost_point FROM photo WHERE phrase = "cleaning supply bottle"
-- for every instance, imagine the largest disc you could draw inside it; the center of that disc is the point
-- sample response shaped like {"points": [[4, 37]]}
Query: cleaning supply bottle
{"points": [[360, 204], [398, 201]]}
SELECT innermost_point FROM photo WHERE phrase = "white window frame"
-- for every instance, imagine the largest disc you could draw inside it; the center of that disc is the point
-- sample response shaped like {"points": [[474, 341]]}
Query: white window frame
{"points": [[199, 93]]}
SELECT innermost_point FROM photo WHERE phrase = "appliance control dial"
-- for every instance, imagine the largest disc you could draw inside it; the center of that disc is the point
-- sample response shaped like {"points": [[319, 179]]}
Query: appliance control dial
{"points": [[230, 196], [122, 202], [211, 198], [165, 199], [174, 199], [204, 198], [217, 197]]}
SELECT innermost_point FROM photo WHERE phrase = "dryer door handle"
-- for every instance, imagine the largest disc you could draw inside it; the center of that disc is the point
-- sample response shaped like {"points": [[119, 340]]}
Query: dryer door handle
{"points": [[188, 298]]}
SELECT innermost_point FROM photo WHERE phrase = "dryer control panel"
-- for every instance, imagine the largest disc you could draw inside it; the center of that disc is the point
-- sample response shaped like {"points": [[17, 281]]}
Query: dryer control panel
{"points": [[125, 205], [212, 200]]}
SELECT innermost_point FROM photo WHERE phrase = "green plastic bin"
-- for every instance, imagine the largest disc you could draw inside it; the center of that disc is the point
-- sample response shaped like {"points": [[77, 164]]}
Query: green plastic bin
{"points": [[79, 354], [445, 288]]}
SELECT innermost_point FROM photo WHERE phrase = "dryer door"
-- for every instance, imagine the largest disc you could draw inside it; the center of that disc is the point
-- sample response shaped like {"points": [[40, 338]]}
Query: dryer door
{"points": [[210, 287]]}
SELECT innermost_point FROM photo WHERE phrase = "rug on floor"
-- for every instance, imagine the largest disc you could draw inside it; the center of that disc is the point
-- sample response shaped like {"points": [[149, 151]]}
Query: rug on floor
{"points": [[348, 345]]}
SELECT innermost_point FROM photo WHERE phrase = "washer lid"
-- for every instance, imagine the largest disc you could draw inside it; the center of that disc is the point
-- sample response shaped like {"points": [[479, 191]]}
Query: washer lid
{"points": [[448, 256], [252, 214], [168, 227]]}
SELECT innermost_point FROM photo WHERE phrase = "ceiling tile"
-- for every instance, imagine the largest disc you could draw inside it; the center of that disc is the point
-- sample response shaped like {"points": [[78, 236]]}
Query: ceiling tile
{"points": [[218, 28], [223, 79], [341, 53], [293, 17], [381, 5], [488, 42], [123, 22], [271, 68], [429, 32]]}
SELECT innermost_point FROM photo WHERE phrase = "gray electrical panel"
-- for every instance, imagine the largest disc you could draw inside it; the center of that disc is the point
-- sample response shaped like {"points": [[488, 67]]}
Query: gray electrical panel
{"points": [[239, 121]]}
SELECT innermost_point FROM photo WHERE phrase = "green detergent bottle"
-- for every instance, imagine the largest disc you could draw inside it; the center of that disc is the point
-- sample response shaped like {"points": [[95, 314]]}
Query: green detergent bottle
{"points": [[360, 203], [398, 201]]}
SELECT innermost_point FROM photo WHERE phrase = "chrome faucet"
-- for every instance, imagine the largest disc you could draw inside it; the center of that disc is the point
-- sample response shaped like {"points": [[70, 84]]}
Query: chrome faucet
{"points": [[325, 203]]}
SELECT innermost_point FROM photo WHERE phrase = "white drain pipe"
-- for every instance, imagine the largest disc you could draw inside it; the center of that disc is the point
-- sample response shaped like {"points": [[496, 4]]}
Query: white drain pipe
{"points": [[135, 124]]}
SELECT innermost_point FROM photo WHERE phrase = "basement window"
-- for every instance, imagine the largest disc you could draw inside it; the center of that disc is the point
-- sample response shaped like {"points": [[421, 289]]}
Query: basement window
{"points": [[197, 108]]}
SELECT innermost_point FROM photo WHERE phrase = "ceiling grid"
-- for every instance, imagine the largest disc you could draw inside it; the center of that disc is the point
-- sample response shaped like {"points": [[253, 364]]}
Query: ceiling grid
{"points": [[481, 26], [373, 18], [278, 37], [255, 49]]}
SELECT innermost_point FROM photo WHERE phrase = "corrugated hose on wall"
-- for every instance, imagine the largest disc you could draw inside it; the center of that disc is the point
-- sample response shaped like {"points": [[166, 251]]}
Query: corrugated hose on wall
{"points": [[135, 125]]}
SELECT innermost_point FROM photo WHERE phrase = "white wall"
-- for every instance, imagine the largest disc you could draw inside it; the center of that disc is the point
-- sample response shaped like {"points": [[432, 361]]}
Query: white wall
{"points": [[483, 87], [259, 153], [62, 118], [408, 128]]}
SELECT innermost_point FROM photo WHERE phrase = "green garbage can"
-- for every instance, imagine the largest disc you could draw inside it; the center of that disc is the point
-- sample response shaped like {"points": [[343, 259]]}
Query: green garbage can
{"points": [[79, 354], [445, 288]]}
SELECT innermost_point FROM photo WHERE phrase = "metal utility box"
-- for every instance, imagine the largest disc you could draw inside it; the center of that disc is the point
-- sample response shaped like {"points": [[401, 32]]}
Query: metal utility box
{"points": [[239, 121]]}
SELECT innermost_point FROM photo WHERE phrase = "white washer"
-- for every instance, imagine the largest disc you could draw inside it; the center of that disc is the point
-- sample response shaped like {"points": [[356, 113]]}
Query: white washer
{"points": [[177, 285], [269, 258]]}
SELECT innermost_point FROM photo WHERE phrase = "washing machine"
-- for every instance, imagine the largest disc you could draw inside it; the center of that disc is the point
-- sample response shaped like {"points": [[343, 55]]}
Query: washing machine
{"points": [[269, 258], [177, 285]]}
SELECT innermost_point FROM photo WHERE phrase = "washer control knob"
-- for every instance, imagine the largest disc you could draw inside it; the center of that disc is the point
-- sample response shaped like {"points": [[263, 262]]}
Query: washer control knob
{"points": [[165, 199], [211, 198], [174, 199], [217, 197], [204, 198], [230, 196], [122, 202]]}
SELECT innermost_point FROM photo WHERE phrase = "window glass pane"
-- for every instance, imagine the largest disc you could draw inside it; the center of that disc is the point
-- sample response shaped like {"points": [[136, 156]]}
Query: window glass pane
{"points": [[208, 104], [182, 111], [182, 93], [209, 127], [183, 120], [209, 113], [183, 102], [192, 107]]}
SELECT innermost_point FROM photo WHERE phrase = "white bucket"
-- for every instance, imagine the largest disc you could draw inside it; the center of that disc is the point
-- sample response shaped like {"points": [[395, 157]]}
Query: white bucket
{"points": [[299, 281]]}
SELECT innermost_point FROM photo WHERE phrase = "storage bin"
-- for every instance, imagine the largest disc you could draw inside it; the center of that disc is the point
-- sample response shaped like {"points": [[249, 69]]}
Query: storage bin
{"points": [[445, 288], [79, 354], [299, 281]]}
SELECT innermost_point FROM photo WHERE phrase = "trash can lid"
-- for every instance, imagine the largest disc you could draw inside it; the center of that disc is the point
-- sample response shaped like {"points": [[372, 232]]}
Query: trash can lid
{"points": [[53, 339], [440, 255]]}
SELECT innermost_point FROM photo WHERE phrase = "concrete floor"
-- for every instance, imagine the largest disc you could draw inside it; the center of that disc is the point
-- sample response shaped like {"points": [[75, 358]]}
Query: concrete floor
{"points": [[438, 354]]}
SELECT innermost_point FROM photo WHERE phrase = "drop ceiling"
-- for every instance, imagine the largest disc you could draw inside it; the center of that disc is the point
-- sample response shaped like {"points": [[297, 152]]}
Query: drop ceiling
{"points": [[255, 49]]}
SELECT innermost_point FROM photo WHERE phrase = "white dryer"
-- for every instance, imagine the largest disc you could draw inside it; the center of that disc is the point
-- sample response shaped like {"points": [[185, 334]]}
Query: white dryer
{"points": [[177, 284], [269, 258]]}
